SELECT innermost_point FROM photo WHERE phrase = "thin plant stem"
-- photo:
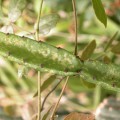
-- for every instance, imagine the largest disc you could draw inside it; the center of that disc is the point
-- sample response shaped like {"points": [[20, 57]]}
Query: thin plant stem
{"points": [[75, 20], [51, 92], [56, 105], [39, 96], [39, 74], [38, 20]]}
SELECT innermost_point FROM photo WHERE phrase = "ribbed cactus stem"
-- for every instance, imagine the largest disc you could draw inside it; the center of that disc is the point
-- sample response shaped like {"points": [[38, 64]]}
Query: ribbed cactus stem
{"points": [[47, 58], [38, 55]]}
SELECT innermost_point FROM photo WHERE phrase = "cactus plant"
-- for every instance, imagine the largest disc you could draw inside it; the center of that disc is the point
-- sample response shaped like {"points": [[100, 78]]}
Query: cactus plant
{"points": [[46, 58], [39, 55]]}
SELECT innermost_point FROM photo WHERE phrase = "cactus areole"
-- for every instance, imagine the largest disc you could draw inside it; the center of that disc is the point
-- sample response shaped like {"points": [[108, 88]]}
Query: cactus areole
{"points": [[38, 55]]}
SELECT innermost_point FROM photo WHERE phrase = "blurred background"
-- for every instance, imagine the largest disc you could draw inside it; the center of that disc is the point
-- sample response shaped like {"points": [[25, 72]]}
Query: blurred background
{"points": [[18, 84]]}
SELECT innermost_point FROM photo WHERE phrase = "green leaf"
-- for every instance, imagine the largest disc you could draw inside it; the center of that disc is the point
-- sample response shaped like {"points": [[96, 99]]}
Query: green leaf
{"points": [[116, 48], [76, 85], [47, 23], [16, 8], [88, 51], [88, 84], [99, 11], [110, 41], [46, 84]]}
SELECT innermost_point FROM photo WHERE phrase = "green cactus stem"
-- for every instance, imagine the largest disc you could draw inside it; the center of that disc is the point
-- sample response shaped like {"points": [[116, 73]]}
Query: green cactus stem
{"points": [[47, 58], [39, 55]]}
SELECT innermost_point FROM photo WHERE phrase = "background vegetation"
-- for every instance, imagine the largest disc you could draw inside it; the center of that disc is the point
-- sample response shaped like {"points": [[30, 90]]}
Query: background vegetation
{"points": [[18, 84]]}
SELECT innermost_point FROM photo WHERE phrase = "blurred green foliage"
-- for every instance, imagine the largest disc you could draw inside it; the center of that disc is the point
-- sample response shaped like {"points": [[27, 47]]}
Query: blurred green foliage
{"points": [[89, 28]]}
